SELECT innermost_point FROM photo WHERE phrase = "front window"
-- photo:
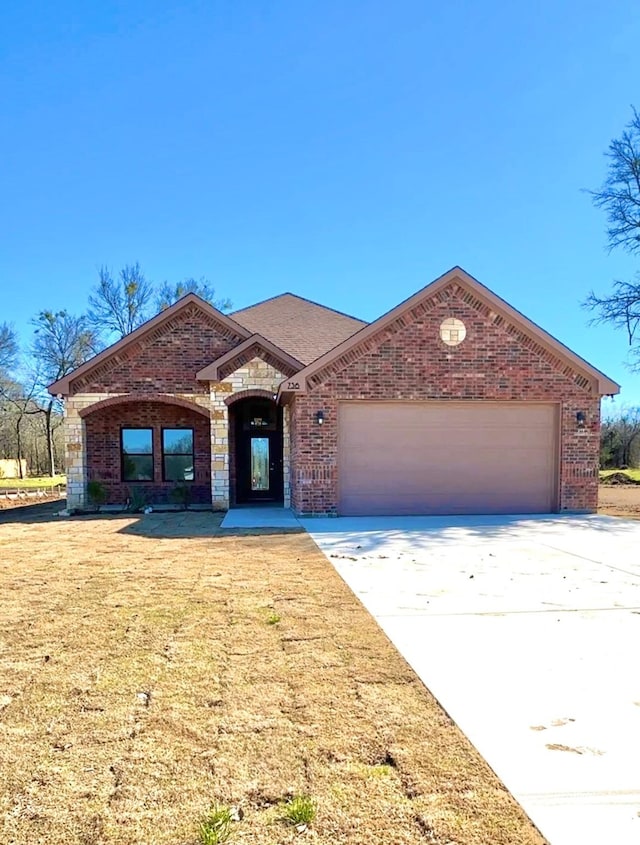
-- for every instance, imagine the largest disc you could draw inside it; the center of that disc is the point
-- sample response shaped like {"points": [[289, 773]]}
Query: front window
{"points": [[177, 454], [136, 446]]}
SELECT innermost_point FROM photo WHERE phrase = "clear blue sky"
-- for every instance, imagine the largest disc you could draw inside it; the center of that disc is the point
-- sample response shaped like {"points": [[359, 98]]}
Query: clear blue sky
{"points": [[349, 152]]}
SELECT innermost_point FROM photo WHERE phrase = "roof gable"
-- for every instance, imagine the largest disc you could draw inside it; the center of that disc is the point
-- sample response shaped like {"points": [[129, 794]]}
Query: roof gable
{"points": [[252, 347], [228, 326], [300, 327], [475, 294]]}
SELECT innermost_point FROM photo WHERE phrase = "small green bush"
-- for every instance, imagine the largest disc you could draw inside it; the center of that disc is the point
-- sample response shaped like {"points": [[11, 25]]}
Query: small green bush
{"points": [[181, 495], [97, 493], [215, 827], [299, 810], [137, 500], [273, 618]]}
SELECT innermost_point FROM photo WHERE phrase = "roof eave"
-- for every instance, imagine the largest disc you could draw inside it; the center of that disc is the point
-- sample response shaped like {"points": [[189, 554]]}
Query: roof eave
{"points": [[62, 386], [211, 371], [606, 386]]}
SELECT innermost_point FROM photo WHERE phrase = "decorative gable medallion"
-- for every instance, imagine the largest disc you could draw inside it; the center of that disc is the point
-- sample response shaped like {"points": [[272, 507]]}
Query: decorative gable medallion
{"points": [[452, 331]]}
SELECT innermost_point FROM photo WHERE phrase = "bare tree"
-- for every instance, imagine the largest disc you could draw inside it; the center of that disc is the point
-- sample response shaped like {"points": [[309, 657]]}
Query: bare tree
{"points": [[8, 349], [118, 306], [619, 439], [169, 293], [23, 405], [61, 343], [619, 196]]}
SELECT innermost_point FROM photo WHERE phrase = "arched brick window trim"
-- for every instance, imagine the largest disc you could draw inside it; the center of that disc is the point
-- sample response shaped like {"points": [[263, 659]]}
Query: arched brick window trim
{"points": [[245, 394], [127, 399]]}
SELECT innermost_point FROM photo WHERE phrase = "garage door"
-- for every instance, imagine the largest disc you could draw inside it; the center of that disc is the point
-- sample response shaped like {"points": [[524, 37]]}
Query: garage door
{"points": [[446, 458]]}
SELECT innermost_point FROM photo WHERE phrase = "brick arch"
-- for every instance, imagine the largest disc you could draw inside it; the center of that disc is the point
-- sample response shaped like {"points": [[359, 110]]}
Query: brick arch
{"points": [[129, 398], [246, 394]]}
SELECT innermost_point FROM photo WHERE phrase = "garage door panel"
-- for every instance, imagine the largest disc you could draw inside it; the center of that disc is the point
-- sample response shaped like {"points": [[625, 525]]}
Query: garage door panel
{"points": [[446, 457]]}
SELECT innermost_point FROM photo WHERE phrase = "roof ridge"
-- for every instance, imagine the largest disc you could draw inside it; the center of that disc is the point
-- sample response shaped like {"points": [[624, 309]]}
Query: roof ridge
{"points": [[303, 299]]}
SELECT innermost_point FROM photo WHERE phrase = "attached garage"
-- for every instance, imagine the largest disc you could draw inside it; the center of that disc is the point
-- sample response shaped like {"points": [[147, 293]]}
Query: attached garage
{"points": [[476, 457]]}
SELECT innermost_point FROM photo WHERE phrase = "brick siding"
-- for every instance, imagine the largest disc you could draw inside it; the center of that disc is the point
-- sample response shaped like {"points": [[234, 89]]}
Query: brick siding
{"points": [[103, 449], [408, 361], [165, 360]]}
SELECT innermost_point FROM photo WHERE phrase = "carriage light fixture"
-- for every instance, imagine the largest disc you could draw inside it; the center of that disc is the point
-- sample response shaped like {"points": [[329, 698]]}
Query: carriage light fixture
{"points": [[319, 417], [581, 419]]}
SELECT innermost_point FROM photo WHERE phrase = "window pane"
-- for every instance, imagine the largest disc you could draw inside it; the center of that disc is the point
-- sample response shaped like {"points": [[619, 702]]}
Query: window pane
{"points": [[137, 441], [178, 468], [177, 441], [137, 468], [259, 463]]}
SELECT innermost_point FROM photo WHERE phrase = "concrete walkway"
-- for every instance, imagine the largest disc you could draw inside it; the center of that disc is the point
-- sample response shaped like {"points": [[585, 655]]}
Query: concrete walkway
{"points": [[260, 517], [527, 630]]}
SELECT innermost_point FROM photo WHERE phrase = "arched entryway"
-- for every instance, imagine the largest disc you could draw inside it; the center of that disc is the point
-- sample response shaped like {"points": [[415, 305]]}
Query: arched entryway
{"points": [[255, 450]]}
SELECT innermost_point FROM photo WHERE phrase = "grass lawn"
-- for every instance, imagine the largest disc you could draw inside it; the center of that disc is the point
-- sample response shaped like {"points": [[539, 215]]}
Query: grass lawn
{"points": [[26, 483], [143, 679]]}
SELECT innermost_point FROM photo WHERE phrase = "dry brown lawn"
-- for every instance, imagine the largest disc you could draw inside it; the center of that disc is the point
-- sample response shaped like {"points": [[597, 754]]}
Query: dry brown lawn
{"points": [[619, 501], [143, 679]]}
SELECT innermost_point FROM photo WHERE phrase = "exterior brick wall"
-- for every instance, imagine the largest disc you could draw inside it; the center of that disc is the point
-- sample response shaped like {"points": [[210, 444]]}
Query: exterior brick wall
{"points": [[85, 461], [408, 361], [403, 361], [104, 458], [165, 360]]}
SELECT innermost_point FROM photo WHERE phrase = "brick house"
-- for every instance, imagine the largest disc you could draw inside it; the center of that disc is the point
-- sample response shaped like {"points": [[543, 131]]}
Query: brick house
{"points": [[453, 402]]}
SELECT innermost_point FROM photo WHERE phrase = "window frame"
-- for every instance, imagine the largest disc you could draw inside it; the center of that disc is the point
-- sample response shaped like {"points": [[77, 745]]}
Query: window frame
{"points": [[192, 453], [123, 454]]}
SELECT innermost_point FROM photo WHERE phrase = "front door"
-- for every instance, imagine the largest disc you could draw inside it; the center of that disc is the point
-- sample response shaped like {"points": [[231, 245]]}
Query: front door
{"points": [[259, 453]]}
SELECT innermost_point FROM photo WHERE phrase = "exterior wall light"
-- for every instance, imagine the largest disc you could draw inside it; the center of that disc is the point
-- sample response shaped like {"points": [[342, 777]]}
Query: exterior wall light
{"points": [[319, 417], [581, 419]]}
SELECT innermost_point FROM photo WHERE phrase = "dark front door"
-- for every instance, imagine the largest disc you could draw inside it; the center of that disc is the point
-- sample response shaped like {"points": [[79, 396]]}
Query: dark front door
{"points": [[259, 453]]}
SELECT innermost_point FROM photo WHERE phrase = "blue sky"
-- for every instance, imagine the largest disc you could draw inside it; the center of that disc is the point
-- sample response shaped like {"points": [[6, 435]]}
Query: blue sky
{"points": [[349, 152]]}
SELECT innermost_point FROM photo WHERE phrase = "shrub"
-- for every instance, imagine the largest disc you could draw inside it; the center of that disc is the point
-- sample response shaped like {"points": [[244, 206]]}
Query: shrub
{"points": [[299, 810], [181, 495], [137, 500], [215, 827], [97, 493]]}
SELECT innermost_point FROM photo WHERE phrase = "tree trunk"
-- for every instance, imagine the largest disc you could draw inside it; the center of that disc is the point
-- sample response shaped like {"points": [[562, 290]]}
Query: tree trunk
{"points": [[52, 460], [19, 445]]}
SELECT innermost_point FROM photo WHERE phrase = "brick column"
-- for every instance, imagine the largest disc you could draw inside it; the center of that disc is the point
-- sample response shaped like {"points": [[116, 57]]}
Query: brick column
{"points": [[286, 456]]}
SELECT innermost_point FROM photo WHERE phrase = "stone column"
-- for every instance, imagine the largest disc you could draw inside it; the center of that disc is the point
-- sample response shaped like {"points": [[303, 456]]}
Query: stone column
{"points": [[219, 449], [75, 445]]}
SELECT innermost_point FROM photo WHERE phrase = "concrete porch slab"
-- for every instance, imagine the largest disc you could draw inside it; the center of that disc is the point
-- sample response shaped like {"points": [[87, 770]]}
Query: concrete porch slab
{"points": [[260, 517]]}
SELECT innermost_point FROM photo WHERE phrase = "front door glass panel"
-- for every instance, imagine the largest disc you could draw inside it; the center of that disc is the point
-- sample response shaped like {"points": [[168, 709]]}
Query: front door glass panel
{"points": [[259, 463]]}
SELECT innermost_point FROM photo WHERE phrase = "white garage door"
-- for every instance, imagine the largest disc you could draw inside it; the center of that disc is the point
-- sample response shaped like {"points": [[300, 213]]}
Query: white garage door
{"points": [[447, 457]]}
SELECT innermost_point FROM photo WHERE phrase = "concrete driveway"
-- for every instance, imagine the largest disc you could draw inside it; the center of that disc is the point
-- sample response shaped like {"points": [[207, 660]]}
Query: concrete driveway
{"points": [[527, 630]]}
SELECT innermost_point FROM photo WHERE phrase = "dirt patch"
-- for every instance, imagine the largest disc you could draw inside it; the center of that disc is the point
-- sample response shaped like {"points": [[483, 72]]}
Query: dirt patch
{"points": [[143, 678], [618, 478], [29, 502], [623, 500]]}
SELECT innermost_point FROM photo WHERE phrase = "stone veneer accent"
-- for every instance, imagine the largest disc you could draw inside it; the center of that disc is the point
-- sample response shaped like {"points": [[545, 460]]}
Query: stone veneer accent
{"points": [[254, 375]]}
